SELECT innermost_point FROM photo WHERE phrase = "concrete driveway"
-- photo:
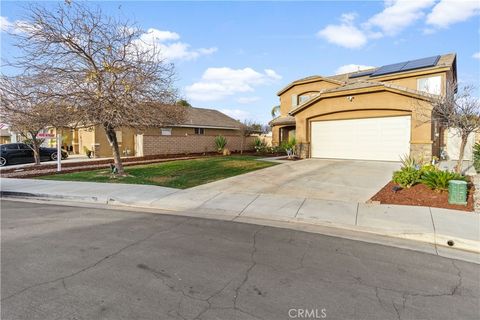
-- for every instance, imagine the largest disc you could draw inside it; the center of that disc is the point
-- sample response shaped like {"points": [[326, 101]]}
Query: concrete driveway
{"points": [[340, 180]]}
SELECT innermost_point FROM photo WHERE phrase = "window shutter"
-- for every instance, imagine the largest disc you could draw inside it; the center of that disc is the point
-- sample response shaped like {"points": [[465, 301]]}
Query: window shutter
{"points": [[294, 100]]}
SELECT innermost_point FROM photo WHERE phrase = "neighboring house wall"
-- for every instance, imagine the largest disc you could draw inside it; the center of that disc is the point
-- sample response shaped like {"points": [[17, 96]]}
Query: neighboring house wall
{"points": [[86, 138], [175, 144], [126, 142], [181, 140], [368, 105], [182, 131]]}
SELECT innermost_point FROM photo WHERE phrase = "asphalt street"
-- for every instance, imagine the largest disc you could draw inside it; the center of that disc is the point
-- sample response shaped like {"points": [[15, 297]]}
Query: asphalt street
{"points": [[63, 262]]}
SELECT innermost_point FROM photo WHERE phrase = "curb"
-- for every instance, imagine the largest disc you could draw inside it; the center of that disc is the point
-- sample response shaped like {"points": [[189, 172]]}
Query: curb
{"points": [[437, 240]]}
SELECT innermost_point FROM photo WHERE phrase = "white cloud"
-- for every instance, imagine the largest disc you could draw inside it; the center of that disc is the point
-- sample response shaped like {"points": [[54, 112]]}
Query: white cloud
{"points": [[5, 25], [17, 26], [345, 34], [236, 114], [351, 68], [476, 55], [218, 83], [398, 14], [247, 100], [448, 12], [169, 47], [272, 74]]}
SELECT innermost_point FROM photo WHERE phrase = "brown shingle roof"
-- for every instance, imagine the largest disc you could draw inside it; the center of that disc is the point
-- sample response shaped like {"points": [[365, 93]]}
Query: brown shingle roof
{"points": [[282, 120], [200, 117]]}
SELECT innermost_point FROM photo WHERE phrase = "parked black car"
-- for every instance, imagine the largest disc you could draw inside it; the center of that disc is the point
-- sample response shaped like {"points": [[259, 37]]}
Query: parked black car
{"points": [[11, 153]]}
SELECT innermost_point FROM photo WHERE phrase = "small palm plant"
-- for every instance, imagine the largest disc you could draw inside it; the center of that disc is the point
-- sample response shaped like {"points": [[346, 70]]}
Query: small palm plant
{"points": [[220, 143]]}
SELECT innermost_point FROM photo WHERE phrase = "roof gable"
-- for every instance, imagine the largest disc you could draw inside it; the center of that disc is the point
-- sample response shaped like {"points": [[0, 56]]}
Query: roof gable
{"points": [[363, 87], [308, 80]]}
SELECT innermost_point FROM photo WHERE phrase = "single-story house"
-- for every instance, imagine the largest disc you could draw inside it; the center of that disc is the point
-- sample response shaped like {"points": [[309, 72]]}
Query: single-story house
{"points": [[376, 114], [195, 134]]}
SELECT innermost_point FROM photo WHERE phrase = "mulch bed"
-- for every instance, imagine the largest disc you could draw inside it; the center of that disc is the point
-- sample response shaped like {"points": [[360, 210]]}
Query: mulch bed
{"points": [[420, 195]]}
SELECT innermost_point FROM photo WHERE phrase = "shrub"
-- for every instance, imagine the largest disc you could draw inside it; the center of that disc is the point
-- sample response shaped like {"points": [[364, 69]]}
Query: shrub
{"points": [[220, 143], [87, 151], [289, 147], [259, 145], [406, 177], [438, 180], [428, 168], [476, 157], [409, 161]]}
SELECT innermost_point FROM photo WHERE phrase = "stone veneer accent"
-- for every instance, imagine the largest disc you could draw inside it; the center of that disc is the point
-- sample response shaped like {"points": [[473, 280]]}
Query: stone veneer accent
{"points": [[421, 151], [302, 150], [157, 145]]}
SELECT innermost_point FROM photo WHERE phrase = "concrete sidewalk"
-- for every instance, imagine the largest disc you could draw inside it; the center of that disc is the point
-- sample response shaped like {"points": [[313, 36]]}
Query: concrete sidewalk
{"points": [[433, 226]]}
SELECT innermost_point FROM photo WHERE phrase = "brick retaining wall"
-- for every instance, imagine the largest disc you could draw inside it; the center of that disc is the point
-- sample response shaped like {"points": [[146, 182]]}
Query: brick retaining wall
{"points": [[154, 144]]}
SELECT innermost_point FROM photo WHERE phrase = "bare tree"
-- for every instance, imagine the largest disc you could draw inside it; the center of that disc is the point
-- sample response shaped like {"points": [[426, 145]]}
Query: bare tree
{"points": [[102, 64], [458, 110], [247, 128], [26, 105]]}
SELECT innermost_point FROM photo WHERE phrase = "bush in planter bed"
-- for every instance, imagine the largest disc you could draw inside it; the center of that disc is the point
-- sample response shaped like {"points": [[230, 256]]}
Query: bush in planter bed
{"points": [[438, 180], [406, 177]]}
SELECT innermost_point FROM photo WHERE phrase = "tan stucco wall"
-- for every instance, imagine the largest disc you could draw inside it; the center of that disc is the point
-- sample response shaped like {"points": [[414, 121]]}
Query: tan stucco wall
{"points": [[86, 137], [286, 97], [378, 104], [103, 148]]}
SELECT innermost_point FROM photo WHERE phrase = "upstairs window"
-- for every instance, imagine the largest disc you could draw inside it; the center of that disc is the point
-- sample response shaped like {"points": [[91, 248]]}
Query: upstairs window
{"points": [[199, 131], [303, 98], [432, 85]]}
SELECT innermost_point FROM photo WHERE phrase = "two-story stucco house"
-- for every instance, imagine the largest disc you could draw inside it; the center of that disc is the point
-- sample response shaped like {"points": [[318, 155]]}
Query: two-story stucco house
{"points": [[377, 114]]}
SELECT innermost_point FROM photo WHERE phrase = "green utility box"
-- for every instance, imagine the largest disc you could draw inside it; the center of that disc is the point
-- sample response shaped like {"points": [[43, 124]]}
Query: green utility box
{"points": [[457, 192]]}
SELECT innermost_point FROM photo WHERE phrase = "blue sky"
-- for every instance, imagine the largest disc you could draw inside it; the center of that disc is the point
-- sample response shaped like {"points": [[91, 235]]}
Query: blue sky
{"points": [[235, 56]]}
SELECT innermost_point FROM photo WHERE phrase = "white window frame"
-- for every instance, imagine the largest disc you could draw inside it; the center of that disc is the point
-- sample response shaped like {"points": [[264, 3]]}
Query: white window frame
{"points": [[432, 85], [166, 131], [303, 98]]}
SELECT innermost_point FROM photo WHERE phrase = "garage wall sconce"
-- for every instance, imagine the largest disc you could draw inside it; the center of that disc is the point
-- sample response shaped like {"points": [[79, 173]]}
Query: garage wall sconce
{"points": [[350, 98]]}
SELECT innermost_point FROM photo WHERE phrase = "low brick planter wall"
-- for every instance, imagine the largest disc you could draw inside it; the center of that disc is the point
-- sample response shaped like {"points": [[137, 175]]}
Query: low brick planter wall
{"points": [[154, 144]]}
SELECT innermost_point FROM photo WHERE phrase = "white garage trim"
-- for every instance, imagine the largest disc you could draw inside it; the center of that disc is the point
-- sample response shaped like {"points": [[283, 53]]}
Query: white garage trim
{"points": [[383, 138]]}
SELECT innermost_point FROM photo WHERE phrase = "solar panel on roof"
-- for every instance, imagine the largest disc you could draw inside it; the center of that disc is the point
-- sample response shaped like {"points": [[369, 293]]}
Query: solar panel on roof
{"points": [[421, 63], [390, 68], [361, 74], [405, 66]]}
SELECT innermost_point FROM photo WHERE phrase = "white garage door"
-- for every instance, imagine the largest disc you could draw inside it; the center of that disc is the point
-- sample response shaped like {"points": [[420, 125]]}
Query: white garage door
{"points": [[364, 139]]}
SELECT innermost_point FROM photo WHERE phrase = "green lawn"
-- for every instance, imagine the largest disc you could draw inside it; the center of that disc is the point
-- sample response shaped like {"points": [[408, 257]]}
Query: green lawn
{"points": [[175, 174]]}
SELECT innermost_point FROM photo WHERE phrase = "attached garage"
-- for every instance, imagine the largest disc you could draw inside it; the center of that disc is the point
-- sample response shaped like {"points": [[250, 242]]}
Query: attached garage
{"points": [[383, 139]]}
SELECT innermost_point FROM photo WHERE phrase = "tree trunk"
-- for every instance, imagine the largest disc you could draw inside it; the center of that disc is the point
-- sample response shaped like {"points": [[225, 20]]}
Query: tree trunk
{"points": [[36, 147], [459, 166], [112, 139], [36, 152]]}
